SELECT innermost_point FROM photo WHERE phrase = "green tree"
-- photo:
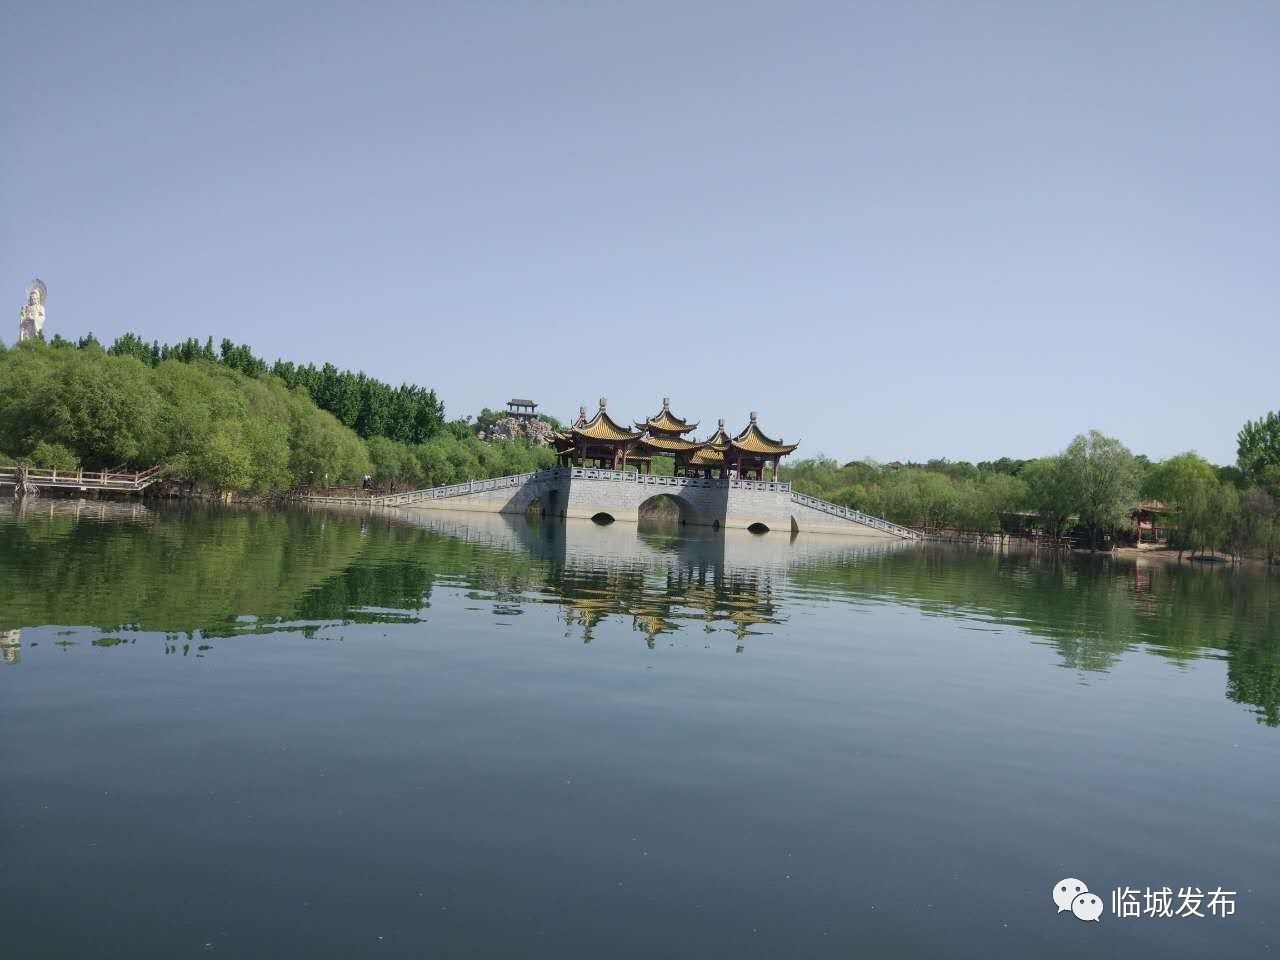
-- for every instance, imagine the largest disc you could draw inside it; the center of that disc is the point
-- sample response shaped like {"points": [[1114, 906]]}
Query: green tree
{"points": [[53, 456], [1186, 484], [102, 408], [1051, 493], [1258, 450], [1103, 476], [1257, 525]]}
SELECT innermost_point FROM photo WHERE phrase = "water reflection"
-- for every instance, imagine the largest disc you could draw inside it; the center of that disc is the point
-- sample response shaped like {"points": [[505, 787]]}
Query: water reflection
{"points": [[194, 574], [11, 646]]}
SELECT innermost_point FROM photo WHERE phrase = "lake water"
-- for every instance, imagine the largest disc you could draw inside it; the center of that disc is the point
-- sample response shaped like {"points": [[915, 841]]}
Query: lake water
{"points": [[325, 735]]}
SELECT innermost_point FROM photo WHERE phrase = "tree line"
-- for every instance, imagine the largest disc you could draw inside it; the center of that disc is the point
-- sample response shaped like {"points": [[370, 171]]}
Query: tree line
{"points": [[407, 413], [225, 420], [69, 406], [1089, 491]]}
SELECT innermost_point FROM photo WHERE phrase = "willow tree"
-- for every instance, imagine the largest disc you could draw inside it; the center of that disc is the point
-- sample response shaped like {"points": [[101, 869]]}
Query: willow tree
{"points": [[1103, 476], [1186, 484]]}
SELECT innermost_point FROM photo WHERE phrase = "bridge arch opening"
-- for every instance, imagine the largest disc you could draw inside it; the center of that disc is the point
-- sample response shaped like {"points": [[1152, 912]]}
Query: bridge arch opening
{"points": [[602, 518], [665, 511], [758, 527]]}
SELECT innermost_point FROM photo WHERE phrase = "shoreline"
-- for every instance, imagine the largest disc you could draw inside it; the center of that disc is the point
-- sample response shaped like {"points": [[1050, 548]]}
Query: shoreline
{"points": [[1169, 555]]}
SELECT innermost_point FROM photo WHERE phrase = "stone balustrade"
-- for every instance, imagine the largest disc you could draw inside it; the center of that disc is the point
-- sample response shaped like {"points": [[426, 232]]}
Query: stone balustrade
{"points": [[589, 492]]}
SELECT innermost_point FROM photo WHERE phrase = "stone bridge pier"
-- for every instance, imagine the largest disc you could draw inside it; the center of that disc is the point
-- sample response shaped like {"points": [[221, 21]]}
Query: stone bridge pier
{"points": [[730, 504]]}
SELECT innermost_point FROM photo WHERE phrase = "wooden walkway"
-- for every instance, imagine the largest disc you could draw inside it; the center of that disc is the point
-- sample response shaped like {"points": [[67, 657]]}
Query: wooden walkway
{"points": [[119, 481]]}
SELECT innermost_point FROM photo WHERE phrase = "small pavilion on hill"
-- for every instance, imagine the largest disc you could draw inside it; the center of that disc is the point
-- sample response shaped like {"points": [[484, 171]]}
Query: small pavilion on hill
{"points": [[599, 442], [751, 451], [524, 409]]}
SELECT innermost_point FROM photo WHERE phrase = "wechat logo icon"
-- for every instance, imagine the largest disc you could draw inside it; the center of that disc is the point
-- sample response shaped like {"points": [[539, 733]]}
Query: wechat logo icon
{"points": [[1072, 894]]}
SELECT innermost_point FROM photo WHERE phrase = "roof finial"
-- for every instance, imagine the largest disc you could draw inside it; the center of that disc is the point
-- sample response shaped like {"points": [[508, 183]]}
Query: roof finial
{"points": [[666, 403], [722, 423], [602, 403], [753, 416], [582, 414]]}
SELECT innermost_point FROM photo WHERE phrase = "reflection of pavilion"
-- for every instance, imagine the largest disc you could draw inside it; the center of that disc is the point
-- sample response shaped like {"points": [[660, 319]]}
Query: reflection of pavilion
{"points": [[661, 585], [707, 581]]}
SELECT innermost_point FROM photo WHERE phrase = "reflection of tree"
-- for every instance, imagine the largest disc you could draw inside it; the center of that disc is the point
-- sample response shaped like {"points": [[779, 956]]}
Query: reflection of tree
{"points": [[1253, 677], [1093, 610], [161, 574], [207, 570], [201, 570]]}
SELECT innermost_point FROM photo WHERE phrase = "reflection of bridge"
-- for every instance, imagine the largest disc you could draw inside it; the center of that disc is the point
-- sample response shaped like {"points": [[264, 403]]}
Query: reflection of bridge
{"points": [[691, 579], [118, 481], [586, 493]]}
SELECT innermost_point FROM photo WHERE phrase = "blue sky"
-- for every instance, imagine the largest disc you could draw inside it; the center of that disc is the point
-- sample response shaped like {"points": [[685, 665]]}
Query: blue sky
{"points": [[897, 230]]}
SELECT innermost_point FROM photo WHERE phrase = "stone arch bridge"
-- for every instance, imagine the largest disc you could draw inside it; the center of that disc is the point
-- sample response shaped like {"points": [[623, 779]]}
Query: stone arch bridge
{"points": [[613, 495]]}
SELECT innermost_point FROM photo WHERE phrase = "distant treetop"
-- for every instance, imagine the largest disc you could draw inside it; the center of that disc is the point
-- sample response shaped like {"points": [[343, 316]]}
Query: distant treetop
{"points": [[407, 413]]}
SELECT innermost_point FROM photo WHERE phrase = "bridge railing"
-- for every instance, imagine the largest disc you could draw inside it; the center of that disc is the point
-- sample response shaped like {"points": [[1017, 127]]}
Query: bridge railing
{"points": [[655, 480], [438, 493], [857, 516], [555, 473], [468, 487]]}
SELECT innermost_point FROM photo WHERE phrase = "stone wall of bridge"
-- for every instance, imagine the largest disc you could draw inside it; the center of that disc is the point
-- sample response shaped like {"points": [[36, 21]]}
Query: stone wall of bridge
{"points": [[732, 505], [549, 492]]}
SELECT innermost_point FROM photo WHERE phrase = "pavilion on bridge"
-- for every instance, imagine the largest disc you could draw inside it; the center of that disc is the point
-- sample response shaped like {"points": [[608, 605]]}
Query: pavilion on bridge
{"points": [[664, 436], [751, 451], [604, 443], [599, 442]]}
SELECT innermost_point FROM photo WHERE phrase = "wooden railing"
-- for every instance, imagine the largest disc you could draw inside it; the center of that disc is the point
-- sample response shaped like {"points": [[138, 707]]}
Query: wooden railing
{"points": [[130, 481]]}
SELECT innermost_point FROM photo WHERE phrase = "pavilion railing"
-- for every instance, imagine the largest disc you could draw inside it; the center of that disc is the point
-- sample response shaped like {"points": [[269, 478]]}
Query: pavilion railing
{"points": [[649, 479]]}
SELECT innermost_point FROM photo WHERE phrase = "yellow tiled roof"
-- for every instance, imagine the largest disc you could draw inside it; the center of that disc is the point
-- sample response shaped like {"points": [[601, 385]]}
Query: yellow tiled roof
{"points": [[708, 457], [604, 427], [666, 421], [670, 444], [752, 440], [719, 439]]}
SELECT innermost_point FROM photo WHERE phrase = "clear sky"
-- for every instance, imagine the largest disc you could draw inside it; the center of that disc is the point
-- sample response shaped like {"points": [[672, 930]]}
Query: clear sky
{"points": [[897, 230]]}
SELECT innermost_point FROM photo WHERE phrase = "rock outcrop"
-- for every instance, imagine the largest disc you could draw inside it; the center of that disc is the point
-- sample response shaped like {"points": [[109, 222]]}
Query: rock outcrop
{"points": [[520, 428]]}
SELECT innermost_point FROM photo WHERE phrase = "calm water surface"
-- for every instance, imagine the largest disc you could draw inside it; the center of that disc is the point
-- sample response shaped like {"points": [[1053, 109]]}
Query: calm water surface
{"points": [[320, 735]]}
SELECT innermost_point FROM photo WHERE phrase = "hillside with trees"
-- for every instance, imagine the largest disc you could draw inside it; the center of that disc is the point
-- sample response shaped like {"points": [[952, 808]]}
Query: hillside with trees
{"points": [[230, 423], [371, 408]]}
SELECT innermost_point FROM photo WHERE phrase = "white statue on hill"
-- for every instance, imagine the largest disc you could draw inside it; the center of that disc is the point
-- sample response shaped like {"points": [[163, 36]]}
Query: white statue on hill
{"points": [[31, 318]]}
